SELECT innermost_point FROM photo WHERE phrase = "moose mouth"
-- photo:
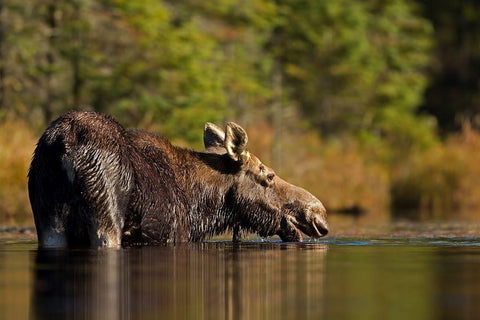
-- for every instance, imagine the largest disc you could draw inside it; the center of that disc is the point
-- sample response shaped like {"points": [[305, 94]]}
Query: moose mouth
{"points": [[291, 229]]}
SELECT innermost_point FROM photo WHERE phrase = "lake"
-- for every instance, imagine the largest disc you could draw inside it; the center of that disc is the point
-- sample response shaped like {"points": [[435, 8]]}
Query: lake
{"points": [[422, 276]]}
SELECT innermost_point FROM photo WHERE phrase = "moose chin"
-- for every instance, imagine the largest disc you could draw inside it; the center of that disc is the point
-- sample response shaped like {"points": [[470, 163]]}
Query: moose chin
{"points": [[92, 183]]}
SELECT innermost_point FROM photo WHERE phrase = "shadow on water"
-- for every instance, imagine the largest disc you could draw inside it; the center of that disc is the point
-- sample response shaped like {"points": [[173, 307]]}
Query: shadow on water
{"points": [[200, 281]]}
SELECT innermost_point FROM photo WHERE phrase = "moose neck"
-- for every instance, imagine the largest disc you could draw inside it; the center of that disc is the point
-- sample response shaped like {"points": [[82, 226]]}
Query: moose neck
{"points": [[211, 184], [206, 182]]}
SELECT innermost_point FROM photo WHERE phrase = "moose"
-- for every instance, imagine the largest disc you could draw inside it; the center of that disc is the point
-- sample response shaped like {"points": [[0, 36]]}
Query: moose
{"points": [[93, 183]]}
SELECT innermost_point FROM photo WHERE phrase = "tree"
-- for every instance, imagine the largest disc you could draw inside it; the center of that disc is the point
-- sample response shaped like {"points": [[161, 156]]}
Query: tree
{"points": [[357, 67], [453, 96], [2, 55]]}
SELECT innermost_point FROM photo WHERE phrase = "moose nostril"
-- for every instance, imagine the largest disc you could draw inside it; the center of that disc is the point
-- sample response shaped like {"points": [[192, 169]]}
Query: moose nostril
{"points": [[323, 231], [322, 225]]}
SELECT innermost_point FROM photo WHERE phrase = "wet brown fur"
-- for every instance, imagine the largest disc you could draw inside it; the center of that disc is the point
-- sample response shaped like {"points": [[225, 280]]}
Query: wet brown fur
{"points": [[92, 183]]}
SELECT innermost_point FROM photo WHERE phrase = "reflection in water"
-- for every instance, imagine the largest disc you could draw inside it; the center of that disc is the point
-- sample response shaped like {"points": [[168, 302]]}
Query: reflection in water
{"points": [[380, 282], [421, 278], [457, 283], [385, 281], [198, 281], [69, 284]]}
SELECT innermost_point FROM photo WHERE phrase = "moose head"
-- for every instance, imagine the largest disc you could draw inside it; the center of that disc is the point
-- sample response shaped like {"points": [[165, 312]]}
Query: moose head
{"points": [[259, 198]]}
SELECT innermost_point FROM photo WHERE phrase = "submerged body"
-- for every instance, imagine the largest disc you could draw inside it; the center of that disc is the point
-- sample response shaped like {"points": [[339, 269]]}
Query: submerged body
{"points": [[93, 183]]}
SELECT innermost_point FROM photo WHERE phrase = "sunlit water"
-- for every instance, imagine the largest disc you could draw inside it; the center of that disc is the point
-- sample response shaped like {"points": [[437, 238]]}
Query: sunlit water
{"points": [[334, 278]]}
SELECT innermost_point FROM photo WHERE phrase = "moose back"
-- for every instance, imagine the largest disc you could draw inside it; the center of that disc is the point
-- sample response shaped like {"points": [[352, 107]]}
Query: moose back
{"points": [[93, 183]]}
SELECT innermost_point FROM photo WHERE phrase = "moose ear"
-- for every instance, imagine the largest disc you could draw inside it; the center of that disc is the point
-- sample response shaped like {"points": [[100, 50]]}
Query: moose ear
{"points": [[213, 136], [236, 140]]}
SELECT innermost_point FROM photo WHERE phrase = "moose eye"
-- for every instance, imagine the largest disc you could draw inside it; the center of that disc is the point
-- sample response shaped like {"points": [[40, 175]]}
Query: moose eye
{"points": [[270, 176], [262, 168]]}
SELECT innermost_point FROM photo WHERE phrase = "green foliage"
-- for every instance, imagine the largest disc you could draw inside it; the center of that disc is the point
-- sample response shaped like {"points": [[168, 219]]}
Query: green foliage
{"points": [[358, 67], [353, 67], [453, 96], [168, 75]]}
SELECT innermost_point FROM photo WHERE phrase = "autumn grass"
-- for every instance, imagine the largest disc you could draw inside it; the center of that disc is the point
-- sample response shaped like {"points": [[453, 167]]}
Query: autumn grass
{"points": [[442, 182], [17, 142], [341, 173]]}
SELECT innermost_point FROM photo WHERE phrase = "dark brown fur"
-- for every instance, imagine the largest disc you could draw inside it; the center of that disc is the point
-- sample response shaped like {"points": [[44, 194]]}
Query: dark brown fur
{"points": [[93, 183]]}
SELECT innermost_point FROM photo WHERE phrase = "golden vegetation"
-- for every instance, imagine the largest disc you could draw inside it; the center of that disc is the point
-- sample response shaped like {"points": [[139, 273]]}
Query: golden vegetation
{"points": [[17, 142], [442, 181], [339, 172], [438, 182]]}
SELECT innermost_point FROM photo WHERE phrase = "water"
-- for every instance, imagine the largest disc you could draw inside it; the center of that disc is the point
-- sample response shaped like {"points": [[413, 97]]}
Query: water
{"points": [[335, 278]]}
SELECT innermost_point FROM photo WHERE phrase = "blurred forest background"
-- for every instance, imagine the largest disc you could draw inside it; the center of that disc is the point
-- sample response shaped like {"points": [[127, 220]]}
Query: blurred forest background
{"points": [[373, 105]]}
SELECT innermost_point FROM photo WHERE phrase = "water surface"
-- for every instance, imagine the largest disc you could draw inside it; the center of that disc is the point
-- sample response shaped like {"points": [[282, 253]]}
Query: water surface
{"points": [[335, 278]]}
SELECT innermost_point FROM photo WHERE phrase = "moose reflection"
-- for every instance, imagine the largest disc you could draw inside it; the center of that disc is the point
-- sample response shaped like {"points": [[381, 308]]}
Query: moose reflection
{"points": [[203, 281]]}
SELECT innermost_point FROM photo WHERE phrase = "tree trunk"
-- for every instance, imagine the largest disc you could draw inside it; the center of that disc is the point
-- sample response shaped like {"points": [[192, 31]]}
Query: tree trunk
{"points": [[277, 115], [2, 55], [75, 59], [52, 24]]}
